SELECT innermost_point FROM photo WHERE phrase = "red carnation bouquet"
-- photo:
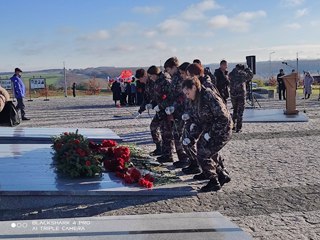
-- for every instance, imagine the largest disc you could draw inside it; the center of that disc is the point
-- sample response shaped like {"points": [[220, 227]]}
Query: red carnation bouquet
{"points": [[73, 157], [120, 163]]}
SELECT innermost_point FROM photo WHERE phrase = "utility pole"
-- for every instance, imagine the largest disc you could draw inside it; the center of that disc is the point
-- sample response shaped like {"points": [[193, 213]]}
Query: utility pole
{"points": [[65, 80], [270, 66]]}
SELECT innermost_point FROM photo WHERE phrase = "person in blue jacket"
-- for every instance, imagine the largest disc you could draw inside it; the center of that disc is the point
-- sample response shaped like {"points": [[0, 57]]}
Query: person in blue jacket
{"points": [[19, 91]]}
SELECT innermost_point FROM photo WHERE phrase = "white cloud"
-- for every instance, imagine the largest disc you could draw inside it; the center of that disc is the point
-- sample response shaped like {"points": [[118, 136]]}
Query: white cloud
{"points": [[196, 11], [293, 26], [315, 23], [159, 45], [125, 29], [239, 23], [147, 10], [219, 21], [302, 12], [172, 27], [122, 48], [292, 3], [247, 16], [99, 35], [150, 33]]}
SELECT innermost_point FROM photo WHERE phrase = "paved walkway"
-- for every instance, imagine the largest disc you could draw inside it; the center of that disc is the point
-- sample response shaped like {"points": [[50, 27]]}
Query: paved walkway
{"points": [[184, 226], [275, 188]]}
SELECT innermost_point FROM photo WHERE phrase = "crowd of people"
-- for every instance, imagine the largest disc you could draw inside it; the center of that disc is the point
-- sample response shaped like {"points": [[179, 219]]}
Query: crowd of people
{"points": [[128, 93], [192, 116]]}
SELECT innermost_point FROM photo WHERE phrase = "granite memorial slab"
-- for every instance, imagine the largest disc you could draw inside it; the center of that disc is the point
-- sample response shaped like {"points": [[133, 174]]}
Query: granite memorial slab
{"points": [[44, 135], [184, 226], [26, 169], [271, 115]]}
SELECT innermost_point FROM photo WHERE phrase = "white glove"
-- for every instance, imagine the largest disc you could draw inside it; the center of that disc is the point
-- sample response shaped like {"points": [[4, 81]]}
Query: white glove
{"points": [[169, 110], [136, 115], [186, 141], [207, 137], [185, 117], [156, 108], [192, 126], [148, 106]]}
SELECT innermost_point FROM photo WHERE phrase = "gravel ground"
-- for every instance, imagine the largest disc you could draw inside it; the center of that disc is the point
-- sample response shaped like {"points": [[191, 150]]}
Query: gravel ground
{"points": [[275, 188]]}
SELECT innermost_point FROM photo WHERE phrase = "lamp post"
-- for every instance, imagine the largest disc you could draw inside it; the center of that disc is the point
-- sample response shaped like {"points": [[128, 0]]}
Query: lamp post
{"points": [[270, 66]]}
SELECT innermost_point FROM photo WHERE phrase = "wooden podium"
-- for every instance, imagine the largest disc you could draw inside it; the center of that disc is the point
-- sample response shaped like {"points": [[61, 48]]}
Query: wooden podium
{"points": [[290, 81]]}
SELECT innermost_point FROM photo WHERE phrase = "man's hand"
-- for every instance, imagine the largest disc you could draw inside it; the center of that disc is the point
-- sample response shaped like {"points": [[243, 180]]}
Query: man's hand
{"points": [[148, 106], [207, 137], [169, 110], [136, 115], [185, 117], [156, 108], [186, 141]]}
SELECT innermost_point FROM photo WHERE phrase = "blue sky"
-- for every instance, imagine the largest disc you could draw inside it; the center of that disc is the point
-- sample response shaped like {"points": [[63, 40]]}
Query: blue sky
{"points": [[38, 34]]}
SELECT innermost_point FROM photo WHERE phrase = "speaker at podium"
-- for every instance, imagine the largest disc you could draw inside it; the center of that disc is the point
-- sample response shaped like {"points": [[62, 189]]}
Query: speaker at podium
{"points": [[290, 81]]}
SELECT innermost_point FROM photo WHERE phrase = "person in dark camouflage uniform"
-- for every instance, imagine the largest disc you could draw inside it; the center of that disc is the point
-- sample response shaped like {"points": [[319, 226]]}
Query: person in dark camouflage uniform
{"points": [[147, 104], [196, 70], [160, 101], [183, 70], [239, 76], [212, 125], [176, 109], [222, 80]]}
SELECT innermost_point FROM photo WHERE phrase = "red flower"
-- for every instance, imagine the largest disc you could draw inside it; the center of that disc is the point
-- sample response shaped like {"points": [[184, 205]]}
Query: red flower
{"points": [[58, 145], [135, 174], [66, 133], [128, 179], [164, 97], [76, 141], [88, 163], [111, 165], [81, 152], [109, 143], [149, 177], [122, 152], [120, 175], [145, 183]]}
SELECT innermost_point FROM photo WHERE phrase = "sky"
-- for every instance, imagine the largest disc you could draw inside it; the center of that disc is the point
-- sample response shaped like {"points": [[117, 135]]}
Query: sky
{"points": [[38, 34]]}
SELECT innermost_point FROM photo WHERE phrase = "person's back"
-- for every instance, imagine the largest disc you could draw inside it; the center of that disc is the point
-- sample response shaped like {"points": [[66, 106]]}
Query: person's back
{"points": [[4, 97]]}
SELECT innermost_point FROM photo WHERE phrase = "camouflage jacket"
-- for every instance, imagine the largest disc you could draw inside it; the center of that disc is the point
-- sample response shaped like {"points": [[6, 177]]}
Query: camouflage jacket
{"points": [[161, 93], [147, 95], [208, 114], [238, 79], [177, 97]]}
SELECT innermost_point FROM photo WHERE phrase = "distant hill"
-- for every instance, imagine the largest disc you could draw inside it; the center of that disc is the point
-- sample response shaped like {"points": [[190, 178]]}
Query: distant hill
{"points": [[55, 76]]}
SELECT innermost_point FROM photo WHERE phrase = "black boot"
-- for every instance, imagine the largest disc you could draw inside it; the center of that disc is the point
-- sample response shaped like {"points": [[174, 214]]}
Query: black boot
{"points": [[181, 163], [165, 159], [157, 151], [200, 177], [192, 169], [223, 177], [212, 186]]}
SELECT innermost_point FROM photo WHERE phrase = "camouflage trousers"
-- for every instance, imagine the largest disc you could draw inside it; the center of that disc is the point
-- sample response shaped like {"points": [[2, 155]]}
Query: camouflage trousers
{"points": [[238, 109], [208, 154], [155, 128], [161, 128], [178, 126]]}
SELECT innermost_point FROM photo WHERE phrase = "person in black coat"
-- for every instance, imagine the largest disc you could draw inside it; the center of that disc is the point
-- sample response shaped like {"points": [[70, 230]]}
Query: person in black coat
{"points": [[116, 91], [281, 86], [222, 80]]}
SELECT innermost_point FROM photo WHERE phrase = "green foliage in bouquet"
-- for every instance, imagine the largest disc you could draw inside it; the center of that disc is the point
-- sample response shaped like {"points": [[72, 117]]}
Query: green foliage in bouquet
{"points": [[73, 157]]}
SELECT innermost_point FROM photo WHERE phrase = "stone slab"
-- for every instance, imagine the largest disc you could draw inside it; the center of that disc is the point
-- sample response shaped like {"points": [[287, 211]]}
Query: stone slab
{"points": [[271, 115], [25, 169], [44, 135], [205, 225]]}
